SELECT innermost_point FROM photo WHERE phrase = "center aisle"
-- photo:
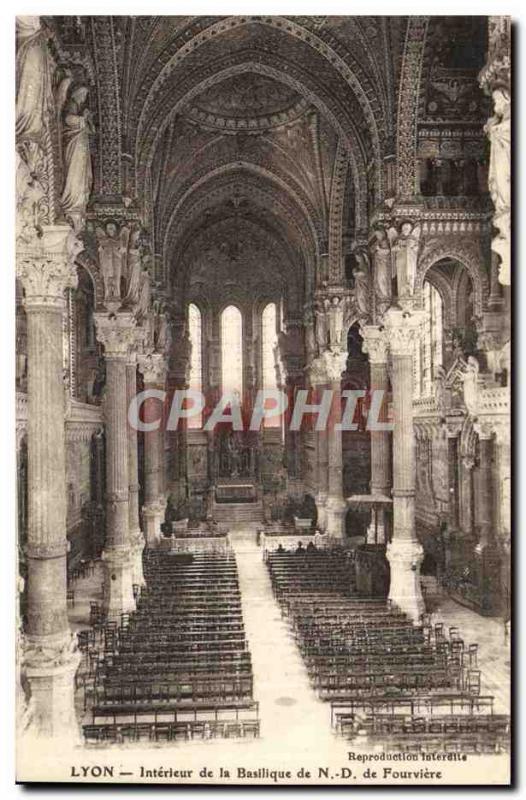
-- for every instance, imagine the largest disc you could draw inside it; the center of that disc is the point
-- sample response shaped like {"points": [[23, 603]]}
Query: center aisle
{"points": [[292, 717]]}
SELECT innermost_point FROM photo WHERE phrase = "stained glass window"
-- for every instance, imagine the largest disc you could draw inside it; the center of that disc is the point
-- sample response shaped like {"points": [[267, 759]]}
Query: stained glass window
{"points": [[196, 362], [269, 341], [232, 351]]}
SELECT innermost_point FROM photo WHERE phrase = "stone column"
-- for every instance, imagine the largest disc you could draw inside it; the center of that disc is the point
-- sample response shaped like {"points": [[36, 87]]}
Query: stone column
{"points": [[487, 556], [317, 382], [404, 552], [485, 495], [336, 507], [153, 368], [136, 535], [116, 331], [375, 344], [50, 657], [453, 431], [468, 463]]}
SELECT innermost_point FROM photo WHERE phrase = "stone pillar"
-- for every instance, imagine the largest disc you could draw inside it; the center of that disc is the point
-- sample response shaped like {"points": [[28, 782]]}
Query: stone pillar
{"points": [[153, 368], [404, 552], [453, 431], [336, 505], [466, 523], [487, 556], [116, 331], [136, 535], [317, 381], [50, 657], [375, 344], [332, 364], [485, 497]]}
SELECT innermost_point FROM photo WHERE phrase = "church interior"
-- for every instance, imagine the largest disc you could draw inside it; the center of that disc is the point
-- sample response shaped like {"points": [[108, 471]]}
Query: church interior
{"points": [[218, 205]]}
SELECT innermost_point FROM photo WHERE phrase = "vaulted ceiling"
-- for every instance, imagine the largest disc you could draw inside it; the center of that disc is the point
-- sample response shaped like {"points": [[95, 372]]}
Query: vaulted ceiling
{"points": [[275, 129]]}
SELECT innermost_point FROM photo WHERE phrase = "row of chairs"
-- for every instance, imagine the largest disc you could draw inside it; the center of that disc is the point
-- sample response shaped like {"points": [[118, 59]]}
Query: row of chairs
{"points": [[390, 682], [178, 667]]}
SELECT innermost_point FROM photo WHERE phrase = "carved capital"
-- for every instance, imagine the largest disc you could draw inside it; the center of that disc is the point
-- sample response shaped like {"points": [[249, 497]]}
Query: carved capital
{"points": [[46, 268], [402, 331], [116, 331], [405, 552], [453, 427], [153, 367], [484, 429], [375, 343], [327, 367]]}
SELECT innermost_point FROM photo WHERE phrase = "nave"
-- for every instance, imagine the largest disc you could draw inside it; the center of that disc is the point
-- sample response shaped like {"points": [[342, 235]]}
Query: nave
{"points": [[248, 644], [263, 276]]}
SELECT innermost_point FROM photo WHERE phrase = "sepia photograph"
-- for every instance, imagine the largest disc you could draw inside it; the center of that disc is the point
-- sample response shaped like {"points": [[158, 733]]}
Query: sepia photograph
{"points": [[262, 299]]}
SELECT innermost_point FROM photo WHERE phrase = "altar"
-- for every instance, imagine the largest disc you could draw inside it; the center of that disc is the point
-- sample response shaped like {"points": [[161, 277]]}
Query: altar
{"points": [[235, 490]]}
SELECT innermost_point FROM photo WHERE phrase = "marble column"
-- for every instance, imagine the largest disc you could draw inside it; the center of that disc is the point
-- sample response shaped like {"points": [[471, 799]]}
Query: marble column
{"points": [[50, 658], [137, 540], [153, 368], [116, 331], [375, 345], [404, 552]]}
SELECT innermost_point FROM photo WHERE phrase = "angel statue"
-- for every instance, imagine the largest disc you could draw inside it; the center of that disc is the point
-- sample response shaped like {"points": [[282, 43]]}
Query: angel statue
{"points": [[163, 338], [78, 127], [470, 380], [498, 129], [382, 270], [321, 327], [134, 267], [337, 313], [113, 246], [143, 306], [33, 87], [361, 283]]}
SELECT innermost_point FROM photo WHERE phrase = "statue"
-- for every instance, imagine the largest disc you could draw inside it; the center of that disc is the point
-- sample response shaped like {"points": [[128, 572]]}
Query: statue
{"points": [[33, 86], [382, 271], [470, 381], [133, 269], [441, 390], [164, 336], [113, 246], [321, 327], [361, 285], [336, 321], [78, 127], [143, 306], [406, 249], [498, 129]]}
